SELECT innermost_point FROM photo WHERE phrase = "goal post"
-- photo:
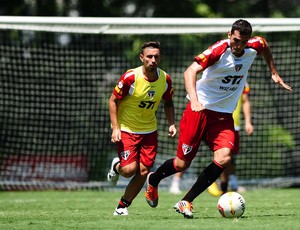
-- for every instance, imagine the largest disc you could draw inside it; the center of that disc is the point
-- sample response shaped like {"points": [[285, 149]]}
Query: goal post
{"points": [[57, 75], [125, 25]]}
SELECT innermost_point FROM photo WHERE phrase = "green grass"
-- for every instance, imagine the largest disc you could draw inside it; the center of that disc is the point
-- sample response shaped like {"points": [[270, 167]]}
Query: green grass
{"points": [[273, 209]]}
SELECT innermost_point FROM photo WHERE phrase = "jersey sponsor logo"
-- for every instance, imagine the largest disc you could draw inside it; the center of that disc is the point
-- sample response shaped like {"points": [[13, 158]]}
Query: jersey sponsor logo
{"points": [[225, 88], [125, 154], [147, 104], [186, 149], [233, 80], [236, 79], [238, 67]]}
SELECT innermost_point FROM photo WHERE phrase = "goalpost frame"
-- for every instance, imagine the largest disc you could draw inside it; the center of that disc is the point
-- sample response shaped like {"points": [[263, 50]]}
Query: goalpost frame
{"points": [[138, 25]]}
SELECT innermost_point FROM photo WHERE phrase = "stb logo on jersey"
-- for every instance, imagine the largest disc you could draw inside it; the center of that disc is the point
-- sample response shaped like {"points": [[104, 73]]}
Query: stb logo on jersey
{"points": [[151, 93], [238, 67], [125, 154], [186, 149]]}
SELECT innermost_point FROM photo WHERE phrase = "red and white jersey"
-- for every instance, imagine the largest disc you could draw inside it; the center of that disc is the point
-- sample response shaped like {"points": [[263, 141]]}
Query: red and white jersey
{"points": [[224, 75]]}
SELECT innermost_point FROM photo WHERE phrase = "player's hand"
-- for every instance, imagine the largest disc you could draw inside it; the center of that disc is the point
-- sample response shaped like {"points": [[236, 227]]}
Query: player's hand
{"points": [[277, 79], [196, 106], [249, 129], [172, 131], [116, 135]]}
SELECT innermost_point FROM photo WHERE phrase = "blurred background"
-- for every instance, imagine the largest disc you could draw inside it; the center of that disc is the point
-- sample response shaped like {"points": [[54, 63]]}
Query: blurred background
{"points": [[154, 8]]}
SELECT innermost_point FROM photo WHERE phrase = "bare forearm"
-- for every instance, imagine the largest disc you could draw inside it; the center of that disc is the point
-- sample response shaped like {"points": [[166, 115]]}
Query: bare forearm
{"points": [[113, 112], [247, 112], [170, 112], [190, 84]]}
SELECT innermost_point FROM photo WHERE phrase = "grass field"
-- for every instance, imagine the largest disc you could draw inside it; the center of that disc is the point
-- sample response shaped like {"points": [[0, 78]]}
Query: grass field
{"points": [[272, 209]]}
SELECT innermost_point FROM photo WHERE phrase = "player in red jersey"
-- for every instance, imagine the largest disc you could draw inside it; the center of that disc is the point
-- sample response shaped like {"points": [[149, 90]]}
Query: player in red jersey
{"points": [[208, 115], [132, 106]]}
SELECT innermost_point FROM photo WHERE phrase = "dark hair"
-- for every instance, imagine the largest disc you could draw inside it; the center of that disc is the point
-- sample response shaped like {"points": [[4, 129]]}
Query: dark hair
{"points": [[153, 44], [243, 26]]}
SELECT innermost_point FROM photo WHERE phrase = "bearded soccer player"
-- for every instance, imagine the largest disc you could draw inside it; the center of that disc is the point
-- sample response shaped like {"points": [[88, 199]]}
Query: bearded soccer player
{"points": [[132, 106], [208, 115]]}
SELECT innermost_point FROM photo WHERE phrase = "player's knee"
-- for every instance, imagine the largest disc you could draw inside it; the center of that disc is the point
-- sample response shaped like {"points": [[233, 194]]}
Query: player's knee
{"points": [[181, 165], [222, 156], [127, 172], [226, 160], [144, 171]]}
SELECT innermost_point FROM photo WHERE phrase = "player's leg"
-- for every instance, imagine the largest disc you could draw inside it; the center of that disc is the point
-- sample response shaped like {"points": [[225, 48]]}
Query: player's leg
{"points": [[186, 150], [175, 188], [233, 181], [232, 178], [113, 172], [126, 200], [127, 167], [168, 168], [225, 178], [220, 139]]}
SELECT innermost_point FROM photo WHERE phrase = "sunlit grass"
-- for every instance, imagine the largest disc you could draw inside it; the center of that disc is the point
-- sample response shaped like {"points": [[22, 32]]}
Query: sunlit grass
{"points": [[265, 209]]}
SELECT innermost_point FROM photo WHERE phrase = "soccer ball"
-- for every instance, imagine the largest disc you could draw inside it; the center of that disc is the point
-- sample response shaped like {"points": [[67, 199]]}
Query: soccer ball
{"points": [[231, 205]]}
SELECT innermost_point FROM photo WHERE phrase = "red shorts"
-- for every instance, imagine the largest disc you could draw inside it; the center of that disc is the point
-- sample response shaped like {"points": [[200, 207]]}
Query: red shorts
{"points": [[217, 129], [137, 147]]}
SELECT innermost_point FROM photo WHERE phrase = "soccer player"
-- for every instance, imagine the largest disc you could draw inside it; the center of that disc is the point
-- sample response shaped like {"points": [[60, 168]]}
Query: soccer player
{"points": [[132, 106], [208, 115], [228, 176]]}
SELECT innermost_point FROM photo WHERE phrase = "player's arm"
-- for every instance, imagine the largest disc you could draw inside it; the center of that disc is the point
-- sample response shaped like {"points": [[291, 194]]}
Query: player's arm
{"points": [[170, 115], [113, 113], [119, 92], [190, 78], [169, 107], [270, 62], [247, 113]]}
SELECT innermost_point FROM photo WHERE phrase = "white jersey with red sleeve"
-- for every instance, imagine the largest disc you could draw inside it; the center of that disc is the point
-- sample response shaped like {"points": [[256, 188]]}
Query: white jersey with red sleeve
{"points": [[224, 75]]}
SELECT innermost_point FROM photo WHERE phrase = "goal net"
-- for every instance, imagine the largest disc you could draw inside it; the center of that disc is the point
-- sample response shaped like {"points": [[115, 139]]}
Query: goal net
{"points": [[57, 75]]}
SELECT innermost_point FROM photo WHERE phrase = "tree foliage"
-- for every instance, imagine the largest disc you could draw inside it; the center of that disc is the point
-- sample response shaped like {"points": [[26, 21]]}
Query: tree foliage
{"points": [[154, 8]]}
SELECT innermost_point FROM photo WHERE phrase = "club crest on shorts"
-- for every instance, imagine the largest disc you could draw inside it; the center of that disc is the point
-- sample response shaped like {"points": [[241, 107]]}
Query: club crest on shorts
{"points": [[125, 154], [186, 149]]}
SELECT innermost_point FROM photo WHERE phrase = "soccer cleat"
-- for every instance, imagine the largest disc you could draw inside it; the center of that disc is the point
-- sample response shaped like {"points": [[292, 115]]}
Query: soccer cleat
{"points": [[151, 194], [112, 176], [121, 212], [214, 190], [185, 208]]}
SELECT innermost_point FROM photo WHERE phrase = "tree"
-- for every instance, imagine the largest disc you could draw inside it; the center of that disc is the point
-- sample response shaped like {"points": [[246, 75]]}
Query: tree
{"points": [[154, 8]]}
